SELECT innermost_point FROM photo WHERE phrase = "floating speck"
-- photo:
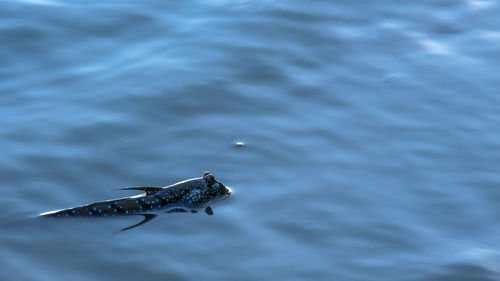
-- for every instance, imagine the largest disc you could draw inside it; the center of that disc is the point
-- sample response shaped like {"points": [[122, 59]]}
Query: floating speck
{"points": [[239, 144]]}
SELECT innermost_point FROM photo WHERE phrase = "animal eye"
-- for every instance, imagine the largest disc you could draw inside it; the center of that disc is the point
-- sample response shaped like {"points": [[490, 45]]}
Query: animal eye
{"points": [[209, 178]]}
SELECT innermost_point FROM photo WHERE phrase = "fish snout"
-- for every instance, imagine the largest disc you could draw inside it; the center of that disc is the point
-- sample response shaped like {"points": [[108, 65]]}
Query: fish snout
{"points": [[229, 190]]}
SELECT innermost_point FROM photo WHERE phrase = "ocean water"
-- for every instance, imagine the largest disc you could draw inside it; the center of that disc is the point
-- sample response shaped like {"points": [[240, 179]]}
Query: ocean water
{"points": [[371, 136]]}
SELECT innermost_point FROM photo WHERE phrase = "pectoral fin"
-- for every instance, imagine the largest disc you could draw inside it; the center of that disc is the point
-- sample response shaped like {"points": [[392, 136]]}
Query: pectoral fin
{"points": [[148, 189], [209, 211]]}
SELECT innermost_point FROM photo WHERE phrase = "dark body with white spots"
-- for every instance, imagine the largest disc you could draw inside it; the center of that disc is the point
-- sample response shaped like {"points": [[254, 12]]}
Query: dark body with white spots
{"points": [[189, 195]]}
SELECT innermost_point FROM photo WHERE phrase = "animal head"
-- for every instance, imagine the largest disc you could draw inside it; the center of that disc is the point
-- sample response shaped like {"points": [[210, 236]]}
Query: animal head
{"points": [[215, 189], [207, 191]]}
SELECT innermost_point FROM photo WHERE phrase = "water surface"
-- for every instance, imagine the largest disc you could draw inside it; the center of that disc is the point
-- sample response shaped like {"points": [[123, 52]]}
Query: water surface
{"points": [[371, 135]]}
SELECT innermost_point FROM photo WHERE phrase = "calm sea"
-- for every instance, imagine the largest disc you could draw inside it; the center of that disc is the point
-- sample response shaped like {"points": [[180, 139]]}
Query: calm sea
{"points": [[371, 134]]}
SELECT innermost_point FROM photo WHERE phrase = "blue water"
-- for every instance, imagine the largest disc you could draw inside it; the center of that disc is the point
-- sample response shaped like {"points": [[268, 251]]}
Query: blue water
{"points": [[371, 136]]}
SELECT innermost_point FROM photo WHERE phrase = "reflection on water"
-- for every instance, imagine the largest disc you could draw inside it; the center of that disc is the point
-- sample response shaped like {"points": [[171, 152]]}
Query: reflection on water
{"points": [[360, 139]]}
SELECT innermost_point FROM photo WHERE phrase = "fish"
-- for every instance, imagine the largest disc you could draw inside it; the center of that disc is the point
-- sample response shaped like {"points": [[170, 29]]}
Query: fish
{"points": [[190, 195]]}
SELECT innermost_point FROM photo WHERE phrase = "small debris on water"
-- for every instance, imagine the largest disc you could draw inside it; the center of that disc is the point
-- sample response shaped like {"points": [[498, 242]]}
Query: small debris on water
{"points": [[239, 144]]}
